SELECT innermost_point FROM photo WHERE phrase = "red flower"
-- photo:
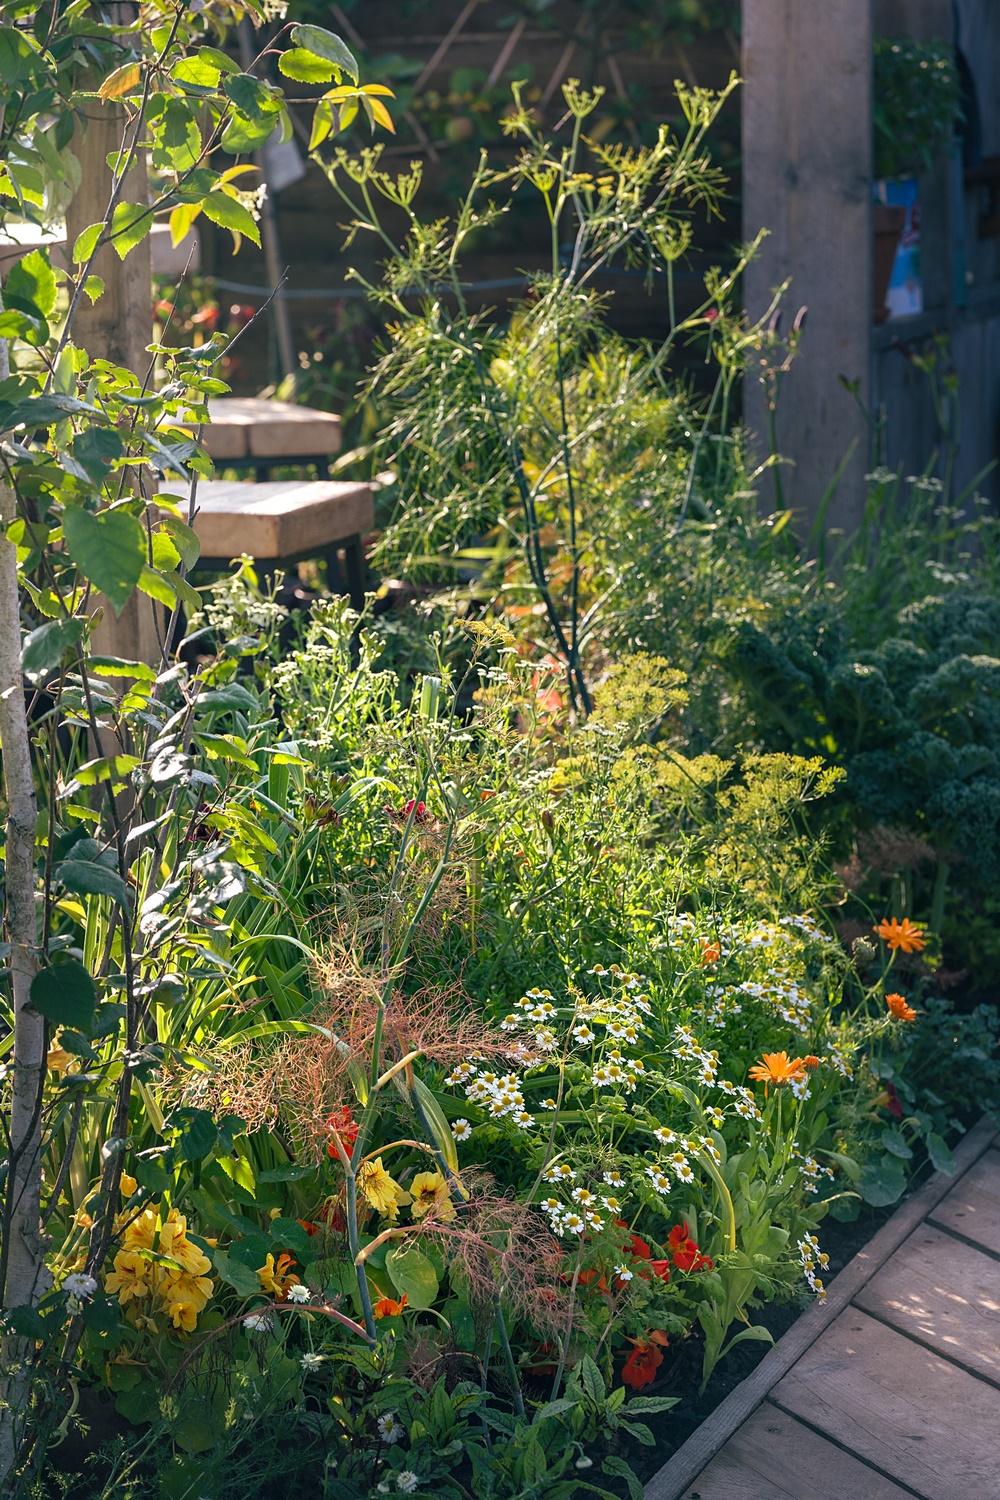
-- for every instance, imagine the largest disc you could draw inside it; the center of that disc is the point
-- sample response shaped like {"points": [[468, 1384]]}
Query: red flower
{"points": [[388, 1307], [344, 1123], [418, 809], [893, 1104], [640, 1249], [661, 1269], [586, 1278], [710, 953], [687, 1256], [646, 1358]]}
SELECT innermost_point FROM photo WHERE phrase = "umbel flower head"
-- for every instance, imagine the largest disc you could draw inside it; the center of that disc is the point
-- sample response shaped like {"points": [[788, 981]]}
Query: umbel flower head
{"points": [[778, 1068], [905, 936]]}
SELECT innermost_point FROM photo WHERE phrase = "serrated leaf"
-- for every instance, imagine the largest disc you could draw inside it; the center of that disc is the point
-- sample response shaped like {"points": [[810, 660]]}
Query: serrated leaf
{"points": [[65, 994], [230, 214], [122, 81], [184, 538], [305, 66], [109, 549], [130, 224], [86, 243], [45, 647], [328, 45], [33, 278], [88, 878]]}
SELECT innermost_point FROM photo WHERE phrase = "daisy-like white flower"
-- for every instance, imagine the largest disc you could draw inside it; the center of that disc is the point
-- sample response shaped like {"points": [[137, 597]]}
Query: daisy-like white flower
{"points": [[460, 1073], [389, 1430], [310, 1362], [594, 1220], [684, 1173], [573, 1224], [616, 1029], [545, 1039], [614, 1178], [583, 1196], [583, 1035], [717, 1118], [612, 1205], [664, 1136], [623, 1273], [461, 1129], [601, 1078], [78, 1284], [560, 1172], [523, 1120], [407, 1481], [298, 1293], [598, 969], [550, 1206], [258, 1323], [549, 1104], [660, 1180], [510, 1023]]}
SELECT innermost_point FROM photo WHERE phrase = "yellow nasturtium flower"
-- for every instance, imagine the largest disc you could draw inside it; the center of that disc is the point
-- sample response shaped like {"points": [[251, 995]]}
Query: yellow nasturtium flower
{"points": [[429, 1191], [380, 1190]]}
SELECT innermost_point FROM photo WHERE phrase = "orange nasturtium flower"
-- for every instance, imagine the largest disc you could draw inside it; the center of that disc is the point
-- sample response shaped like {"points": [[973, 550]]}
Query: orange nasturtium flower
{"points": [[646, 1358], [778, 1068], [905, 935], [710, 953], [898, 1008], [276, 1276], [387, 1307]]}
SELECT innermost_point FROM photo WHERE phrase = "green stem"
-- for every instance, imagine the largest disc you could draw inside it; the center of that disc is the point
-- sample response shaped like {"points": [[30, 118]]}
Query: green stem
{"points": [[508, 1357]]}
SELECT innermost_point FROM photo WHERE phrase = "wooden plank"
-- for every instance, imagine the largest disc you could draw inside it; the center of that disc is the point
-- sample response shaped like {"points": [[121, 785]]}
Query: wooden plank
{"points": [[900, 1406], [775, 1457], [972, 1208], [944, 1293], [245, 426], [809, 186], [281, 518], [670, 1482]]}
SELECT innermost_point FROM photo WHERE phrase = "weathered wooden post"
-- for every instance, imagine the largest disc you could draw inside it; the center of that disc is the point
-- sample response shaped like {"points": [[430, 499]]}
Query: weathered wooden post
{"points": [[807, 154], [119, 326]]}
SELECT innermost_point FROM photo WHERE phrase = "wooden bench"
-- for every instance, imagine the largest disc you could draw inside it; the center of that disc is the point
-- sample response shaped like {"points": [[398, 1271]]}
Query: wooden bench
{"points": [[251, 432], [282, 522]]}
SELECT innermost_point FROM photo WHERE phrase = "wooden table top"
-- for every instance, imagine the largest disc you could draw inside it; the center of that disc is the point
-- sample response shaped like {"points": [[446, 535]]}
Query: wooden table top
{"points": [[250, 427], [278, 519]]}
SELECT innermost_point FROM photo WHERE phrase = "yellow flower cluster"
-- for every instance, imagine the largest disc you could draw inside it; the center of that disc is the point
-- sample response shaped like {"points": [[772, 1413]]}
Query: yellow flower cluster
{"points": [[180, 1290]]}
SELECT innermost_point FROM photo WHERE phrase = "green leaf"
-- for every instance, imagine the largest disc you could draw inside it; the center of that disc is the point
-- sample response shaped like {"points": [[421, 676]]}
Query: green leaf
{"points": [[201, 71], [65, 994], [109, 549], [42, 411], [621, 1470], [15, 324], [233, 696], [140, 1404], [230, 214], [86, 243], [157, 587], [412, 1274], [305, 66], [289, 1234], [882, 1182], [940, 1154], [240, 1277], [252, 97], [33, 278], [326, 44], [45, 647], [152, 1172], [130, 224], [94, 287], [97, 448], [184, 539], [533, 1462], [89, 878], [243, 134], [895, 1143], [442, 1136], [591, 1380]]}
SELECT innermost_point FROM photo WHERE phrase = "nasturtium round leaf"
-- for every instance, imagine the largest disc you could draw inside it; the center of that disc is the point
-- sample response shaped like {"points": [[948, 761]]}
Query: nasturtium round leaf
{"points": [[882, 1181], [109, 549], [65, 994], [412, 1274]]}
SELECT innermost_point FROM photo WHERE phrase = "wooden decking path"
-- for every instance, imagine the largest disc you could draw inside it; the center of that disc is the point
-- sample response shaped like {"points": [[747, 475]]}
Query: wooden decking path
{"points": [[890, 1390]]}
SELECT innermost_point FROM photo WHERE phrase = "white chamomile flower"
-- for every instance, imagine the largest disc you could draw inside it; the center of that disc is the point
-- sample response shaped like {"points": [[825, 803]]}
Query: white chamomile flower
{"points": [[660, 1180], [664, 1136], [461, 1129], [550, 1206], [258, 1323], [561, 1172], [612, 1205], [573, 1224], [78, 1284], [523, 1120], [389, 1430], [594, 1220], [310, 1362], [583, 1035], [298, 1293], [407, 1481], [510, 1023], [684, 1173], [614, 1178], [623, 1273], [584, 1196], [549, 1104]]}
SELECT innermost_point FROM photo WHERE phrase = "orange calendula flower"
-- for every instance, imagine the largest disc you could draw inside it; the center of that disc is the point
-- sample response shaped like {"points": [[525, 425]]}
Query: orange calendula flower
{"points": [[898, 1008], [905, 935], [710, 953], [810, 1062], [778, 1068], [388, 1307]]}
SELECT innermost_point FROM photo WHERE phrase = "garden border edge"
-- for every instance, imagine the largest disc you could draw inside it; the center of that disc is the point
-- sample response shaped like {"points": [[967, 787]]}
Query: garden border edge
{"points": [[684, 1466]]}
